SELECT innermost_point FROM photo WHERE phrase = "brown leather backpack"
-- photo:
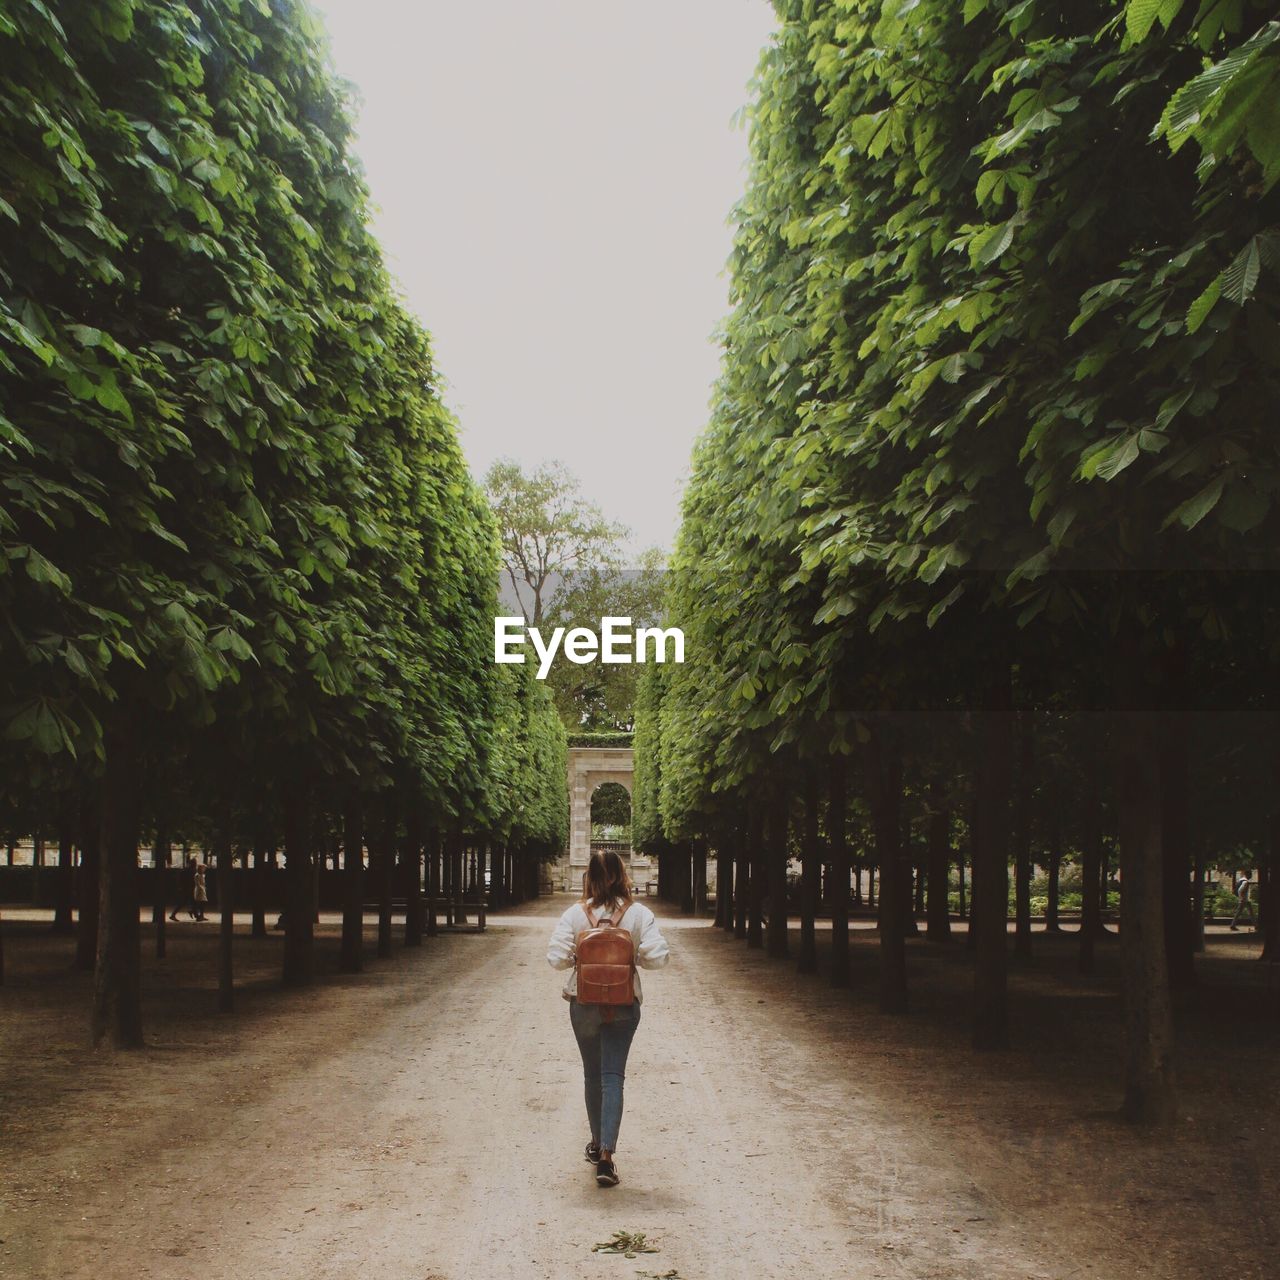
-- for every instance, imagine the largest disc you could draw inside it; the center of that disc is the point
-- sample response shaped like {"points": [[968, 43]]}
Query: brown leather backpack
{"points": [[605, 956]]}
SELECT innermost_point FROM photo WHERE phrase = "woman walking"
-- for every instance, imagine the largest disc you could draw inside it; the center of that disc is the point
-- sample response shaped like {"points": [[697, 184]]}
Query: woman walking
{"points": [[604, 1031], [201, 893]]}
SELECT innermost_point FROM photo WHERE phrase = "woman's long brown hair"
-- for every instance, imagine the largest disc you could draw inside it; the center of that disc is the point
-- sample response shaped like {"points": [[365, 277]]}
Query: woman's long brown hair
{"points": [[605, 880]]}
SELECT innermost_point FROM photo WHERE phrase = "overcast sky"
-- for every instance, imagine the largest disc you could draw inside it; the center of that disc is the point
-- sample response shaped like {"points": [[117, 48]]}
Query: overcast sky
{"points": [[553, 179]]}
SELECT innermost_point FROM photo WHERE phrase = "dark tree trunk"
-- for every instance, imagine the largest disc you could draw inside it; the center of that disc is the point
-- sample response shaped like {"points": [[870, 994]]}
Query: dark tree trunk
{"points": [[258, 929], [856, 899], [884, 775], [481, 855], [87, 891], [759, 886], [299, 918], [811, 866], [975, 786], [741, 885], [937, 908], [1175, 783], [117, 978], [1022, 842], [458, 879], [837, 783], [385, 864], [160, 853], [779, 824], [1090, 877], [1054, 895], [699, 877], [412, 860], [687, 903], [226, 927], [1149, 1081], [1269, 892], [351, 956], [63, 923], [724, 873], [1197, 902], [990, 909], [433, 881]]}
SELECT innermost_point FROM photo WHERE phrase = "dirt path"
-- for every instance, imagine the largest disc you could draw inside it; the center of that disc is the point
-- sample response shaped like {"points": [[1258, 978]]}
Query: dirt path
{"points": [[423, 1121]]}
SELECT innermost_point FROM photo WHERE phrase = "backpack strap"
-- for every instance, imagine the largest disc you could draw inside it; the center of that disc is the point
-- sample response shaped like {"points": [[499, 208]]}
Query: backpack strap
{"points": [[616, 919], [586, 911]]}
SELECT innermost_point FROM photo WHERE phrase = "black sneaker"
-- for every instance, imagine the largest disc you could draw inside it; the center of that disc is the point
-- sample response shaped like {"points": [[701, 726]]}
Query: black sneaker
{"points": [[606, 1174], [593, 1153]]}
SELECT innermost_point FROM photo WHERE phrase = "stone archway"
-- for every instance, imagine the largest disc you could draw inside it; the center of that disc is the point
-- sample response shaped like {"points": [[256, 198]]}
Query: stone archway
{"points": [[589, 768]]}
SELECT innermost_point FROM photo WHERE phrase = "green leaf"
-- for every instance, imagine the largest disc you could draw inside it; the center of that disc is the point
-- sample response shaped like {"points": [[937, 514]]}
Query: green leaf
{"points": [[1239, 279], [1191, 512], [990, 245], [1199, 310]]}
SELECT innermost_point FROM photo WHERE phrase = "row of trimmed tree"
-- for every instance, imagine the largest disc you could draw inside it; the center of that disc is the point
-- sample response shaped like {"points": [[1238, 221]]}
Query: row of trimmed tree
{"points": [[985, 518], [246, 582]]}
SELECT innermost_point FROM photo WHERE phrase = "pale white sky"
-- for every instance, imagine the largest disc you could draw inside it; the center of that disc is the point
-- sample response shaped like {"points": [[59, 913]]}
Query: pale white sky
{"points": [[553, 179]]}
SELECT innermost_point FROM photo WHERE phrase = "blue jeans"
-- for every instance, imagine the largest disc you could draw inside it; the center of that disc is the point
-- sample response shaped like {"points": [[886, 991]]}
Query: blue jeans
{"points": [[604, 1047]]}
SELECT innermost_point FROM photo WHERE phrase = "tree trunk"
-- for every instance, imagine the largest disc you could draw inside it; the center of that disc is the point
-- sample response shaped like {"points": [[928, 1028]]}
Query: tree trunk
{"points": [[759, 886], [258, 929], [1175, 815], [1090, 877], [458, 879], [699, 877], [687, 850], [884, 774], [741, 885], [990, 910], [937, 908], [117, 978], [384, 864], [1197, 902], [975, 786], [1269, 893], [63, 923], [411, 858], [160, 856], [811, 865], [837, 782], [779, 831], [1053, 900], [433, 881], [226, 927], [1149, 1083], [724, 904], [299, 919], [962, 904], [87, 884], [1022, 842], [351, 954]]}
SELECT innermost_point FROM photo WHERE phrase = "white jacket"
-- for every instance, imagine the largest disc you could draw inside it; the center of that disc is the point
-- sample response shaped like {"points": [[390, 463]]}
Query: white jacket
{"points": [[651, 946]]}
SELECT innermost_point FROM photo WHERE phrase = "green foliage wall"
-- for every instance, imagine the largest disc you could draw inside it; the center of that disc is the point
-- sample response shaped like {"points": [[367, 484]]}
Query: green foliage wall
{"points": [[1006, 310], [238, 540]]}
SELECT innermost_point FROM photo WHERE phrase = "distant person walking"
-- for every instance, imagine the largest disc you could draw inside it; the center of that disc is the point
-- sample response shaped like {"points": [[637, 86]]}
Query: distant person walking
{"points": [[201, 894], [187, 890], [1244, 901], [602, 939]]}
